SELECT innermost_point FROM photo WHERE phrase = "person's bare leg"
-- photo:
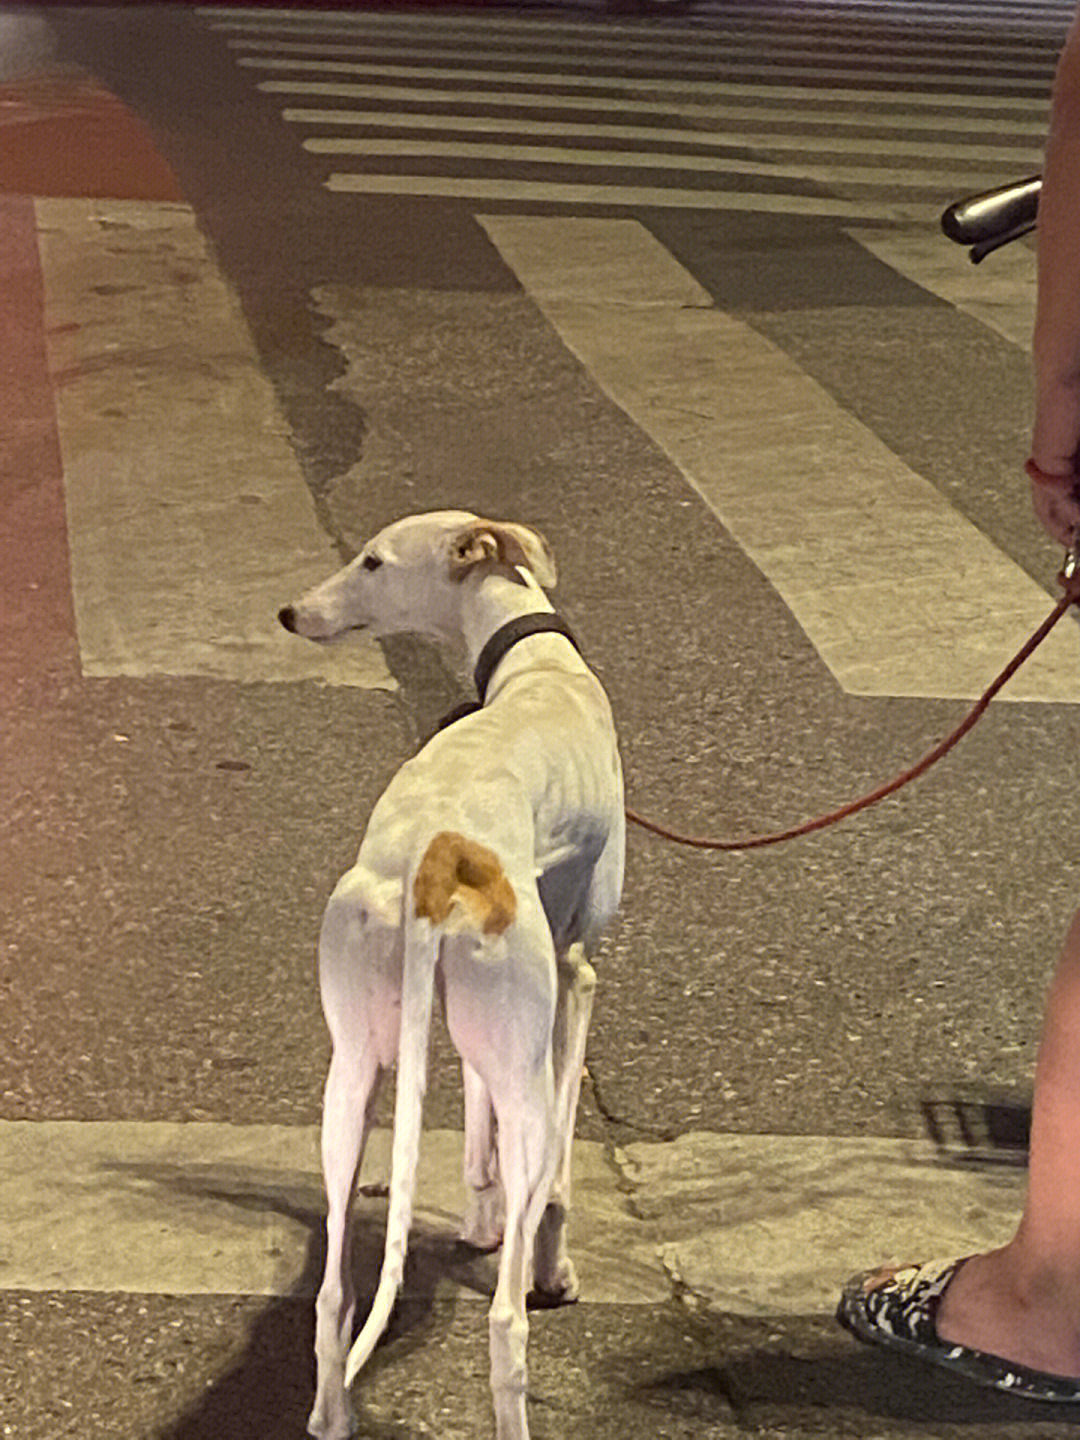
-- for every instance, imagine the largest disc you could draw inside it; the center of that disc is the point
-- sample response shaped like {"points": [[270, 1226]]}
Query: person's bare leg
{"points": [[1022, 1302]]}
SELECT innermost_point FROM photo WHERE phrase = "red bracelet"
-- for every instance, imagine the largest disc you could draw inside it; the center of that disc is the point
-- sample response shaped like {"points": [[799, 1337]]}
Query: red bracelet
{"points": [[1042, 478]]}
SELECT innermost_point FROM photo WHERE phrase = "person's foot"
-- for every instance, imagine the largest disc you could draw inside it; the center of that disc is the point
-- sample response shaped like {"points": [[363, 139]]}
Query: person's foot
{"points": [[987, 1307], [897, 1306]]}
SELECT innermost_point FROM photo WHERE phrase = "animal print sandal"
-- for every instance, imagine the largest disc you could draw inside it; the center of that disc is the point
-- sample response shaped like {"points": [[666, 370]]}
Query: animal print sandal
{"points": [[896, 1307]]}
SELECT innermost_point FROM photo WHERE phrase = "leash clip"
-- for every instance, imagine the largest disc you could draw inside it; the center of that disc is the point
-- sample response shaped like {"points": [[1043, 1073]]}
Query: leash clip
{"points": [[1069, 575]]}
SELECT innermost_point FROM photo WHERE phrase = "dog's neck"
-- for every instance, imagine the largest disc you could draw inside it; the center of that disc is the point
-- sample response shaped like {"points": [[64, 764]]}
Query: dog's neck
{"points": [[490, 600]]}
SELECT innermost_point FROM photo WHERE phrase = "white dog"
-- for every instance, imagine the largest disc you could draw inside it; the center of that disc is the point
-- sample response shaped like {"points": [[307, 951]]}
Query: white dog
{"points": [[489, 867]]}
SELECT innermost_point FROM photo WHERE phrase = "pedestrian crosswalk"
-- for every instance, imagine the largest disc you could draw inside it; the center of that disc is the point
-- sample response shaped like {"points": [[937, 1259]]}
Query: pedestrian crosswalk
{"points": [[871, 115], [188, 576], [869, 111]]}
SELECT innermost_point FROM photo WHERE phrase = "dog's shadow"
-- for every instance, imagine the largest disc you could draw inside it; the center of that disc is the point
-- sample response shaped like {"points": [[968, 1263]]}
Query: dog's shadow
{"points": [[745, 1371], [267, 1393]]}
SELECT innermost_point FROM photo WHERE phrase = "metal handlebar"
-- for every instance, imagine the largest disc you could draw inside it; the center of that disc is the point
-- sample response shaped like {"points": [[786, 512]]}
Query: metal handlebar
{"points": [[991, 219]]}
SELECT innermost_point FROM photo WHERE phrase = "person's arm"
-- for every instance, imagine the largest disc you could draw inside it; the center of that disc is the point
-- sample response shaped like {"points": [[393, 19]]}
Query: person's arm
{"points": [[1056, 435]]}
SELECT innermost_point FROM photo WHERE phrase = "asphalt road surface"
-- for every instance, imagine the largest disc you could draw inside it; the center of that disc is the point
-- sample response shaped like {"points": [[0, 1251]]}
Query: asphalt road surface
{"points": [[670, 287]]}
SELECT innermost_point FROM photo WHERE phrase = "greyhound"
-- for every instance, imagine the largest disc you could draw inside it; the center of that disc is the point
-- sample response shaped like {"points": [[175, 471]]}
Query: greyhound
{"points": [[490, 866]]}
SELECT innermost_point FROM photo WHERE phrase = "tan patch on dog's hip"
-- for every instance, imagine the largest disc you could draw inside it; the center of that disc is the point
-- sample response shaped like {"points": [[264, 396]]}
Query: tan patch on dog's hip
{"points": [[456, 869]]}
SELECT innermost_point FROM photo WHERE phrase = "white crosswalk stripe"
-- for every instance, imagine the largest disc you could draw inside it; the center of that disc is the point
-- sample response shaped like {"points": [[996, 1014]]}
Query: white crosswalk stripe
{"points": [[629, 73], [115, 1207], [753, 1224], [503, 125], [874, 110], [127, 1207], [188, 572]]}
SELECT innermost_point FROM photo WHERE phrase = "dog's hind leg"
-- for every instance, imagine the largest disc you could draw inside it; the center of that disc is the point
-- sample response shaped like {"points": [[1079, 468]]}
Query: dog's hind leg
{"points": [[527, 1158], [554, 1275], [349, 982], [482, 1226], [556, 1281], [501, 994]]}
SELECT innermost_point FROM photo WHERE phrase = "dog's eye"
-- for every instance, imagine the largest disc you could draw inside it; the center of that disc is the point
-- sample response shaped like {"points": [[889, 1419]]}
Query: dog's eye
{"points": [[371, 562]]}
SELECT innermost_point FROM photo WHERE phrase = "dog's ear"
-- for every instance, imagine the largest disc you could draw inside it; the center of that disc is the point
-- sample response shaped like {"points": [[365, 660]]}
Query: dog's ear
{"points": [[501, 542]]}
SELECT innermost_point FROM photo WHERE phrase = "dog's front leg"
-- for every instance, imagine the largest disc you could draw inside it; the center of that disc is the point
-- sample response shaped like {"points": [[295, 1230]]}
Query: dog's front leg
{"points": [[482, 1226], [553, 1271]]}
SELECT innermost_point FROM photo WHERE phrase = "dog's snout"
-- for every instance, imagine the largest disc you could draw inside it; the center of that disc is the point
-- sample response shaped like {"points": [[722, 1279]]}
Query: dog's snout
{"points": [[287, 616]]}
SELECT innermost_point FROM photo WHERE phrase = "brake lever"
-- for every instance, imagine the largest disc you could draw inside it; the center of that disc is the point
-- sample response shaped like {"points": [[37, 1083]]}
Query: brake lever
{"points": [[979, 252]]}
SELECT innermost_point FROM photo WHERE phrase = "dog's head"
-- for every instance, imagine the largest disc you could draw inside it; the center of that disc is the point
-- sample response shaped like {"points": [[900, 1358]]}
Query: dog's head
{"points": [[410, 576]]}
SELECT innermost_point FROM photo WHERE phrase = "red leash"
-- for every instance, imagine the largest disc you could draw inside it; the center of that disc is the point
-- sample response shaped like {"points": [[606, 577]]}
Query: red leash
{"points": [[1069, 579]]}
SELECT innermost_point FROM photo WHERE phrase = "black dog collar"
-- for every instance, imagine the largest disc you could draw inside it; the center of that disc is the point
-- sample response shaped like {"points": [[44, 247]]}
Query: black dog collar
{"points": [[507, 636], [496, 649]]}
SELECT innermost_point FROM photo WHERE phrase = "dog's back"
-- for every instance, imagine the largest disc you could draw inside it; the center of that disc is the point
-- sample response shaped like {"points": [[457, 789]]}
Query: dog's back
{"points": [[534, 775]]}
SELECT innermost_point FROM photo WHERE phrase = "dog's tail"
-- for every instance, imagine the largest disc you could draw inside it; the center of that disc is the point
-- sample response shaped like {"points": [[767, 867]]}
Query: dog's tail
{"points": [[458, 886], [417, 987]]}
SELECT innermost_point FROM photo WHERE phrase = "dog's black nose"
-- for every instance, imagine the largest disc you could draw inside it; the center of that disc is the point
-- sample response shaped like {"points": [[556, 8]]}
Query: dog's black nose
{"points": [[287, 616]]}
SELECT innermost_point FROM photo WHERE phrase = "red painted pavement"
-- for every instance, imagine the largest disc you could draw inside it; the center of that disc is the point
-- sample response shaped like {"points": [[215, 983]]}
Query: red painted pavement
{"points": [[66, 134], [37, 630]]}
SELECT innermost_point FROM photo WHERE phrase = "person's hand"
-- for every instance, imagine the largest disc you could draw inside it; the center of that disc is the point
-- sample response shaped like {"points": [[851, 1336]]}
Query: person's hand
{"points": [[1055, 439], [1056, 502]]}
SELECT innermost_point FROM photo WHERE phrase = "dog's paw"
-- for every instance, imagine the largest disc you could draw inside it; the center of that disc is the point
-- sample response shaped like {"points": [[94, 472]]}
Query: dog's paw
{"points": [[333, 1418], [559, 1288], [484, 1221], [482, 1238]]}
